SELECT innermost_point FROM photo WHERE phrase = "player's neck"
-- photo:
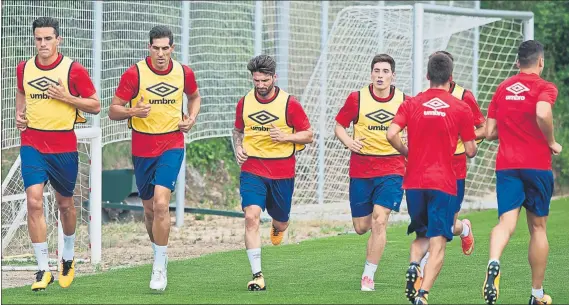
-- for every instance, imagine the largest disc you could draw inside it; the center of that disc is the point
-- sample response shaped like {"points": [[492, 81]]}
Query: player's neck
{"points": [[381, 93], [47, 61], [442, 87], [532, 70]]}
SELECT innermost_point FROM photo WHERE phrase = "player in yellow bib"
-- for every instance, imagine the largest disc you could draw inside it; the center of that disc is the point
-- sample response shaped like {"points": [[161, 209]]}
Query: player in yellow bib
{"points": [[376, 168], [53, 91], [154, 88], [270, 127]]}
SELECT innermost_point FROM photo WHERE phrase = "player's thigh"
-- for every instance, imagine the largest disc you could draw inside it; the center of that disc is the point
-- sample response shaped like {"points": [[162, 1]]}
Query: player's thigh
{"points": [[417, 200], [33, 167], [144, 171], [62, 171], [253, 190], [388, 192], [279, 198], [459, 198], [538, 185], [361, 205], [510, 190], [168, 168], [441, 214]]}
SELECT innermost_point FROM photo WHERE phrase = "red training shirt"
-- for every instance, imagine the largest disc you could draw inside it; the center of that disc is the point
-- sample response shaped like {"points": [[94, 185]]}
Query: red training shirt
{"points": [[149, 145], [434, 119]]}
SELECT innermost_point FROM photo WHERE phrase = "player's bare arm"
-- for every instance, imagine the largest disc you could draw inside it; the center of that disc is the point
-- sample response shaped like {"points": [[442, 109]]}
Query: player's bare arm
{"points": [[194, 103], [117, 111], [301, 137], [354, 145], [491, 130], [480, 131], [240, 153], [90, 104], [470, 148], [21, 122], [544, 117], [395, 140]]}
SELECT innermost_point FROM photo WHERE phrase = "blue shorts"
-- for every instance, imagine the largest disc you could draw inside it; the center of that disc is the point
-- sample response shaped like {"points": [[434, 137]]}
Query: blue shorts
{"points": [[273, 194], [530, 188], [161, 170], [432, 213], [60, 169], [385, 191], [460, 186]]}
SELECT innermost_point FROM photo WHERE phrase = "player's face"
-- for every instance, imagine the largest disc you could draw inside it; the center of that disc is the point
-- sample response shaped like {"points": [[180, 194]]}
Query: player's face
{"points": [[46, 42], [161, 52], [264, 83], [382, 76]]}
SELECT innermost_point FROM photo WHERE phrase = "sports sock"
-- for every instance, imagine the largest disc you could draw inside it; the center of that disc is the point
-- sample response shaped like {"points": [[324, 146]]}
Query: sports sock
{"points": [[424, 262], [369, 270], [465, 230], [42, 257], [538, 293], [160, 257], [68, 247], [255, 259]]}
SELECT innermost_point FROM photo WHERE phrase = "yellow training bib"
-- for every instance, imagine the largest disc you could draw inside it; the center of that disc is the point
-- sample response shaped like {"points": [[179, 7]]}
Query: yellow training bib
{"points": [[373, 121], [43, 112], [164, 94], [458, 92], [258, 118]]}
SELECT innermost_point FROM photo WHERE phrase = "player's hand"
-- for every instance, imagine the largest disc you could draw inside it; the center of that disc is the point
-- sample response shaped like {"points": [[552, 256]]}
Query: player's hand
{"points": [[58, 92], [21, 121], [241, 155], [187, 123], [556, 148], [277, 135], [357, 145], [141, 110]]}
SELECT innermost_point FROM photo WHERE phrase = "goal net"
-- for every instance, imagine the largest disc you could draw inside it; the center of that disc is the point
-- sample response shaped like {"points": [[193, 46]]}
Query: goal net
{"points": [[360, 32]]}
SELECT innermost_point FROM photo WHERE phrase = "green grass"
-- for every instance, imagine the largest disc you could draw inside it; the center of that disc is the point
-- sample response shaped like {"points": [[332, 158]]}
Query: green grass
{"points": [[327, 271]]}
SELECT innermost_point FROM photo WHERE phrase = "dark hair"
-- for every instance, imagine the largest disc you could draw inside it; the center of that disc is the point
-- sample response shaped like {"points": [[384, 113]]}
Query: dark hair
{"points": [[443, 52], [383, 58], [161, 31], [262, 63], [529, 52], [46, 22], [439, 69]]}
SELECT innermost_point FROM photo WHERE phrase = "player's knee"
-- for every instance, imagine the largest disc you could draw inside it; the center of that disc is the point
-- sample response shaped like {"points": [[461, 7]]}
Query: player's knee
{"points": [[280, 226], [35, 205], [252, 220], [537, 227], [378, 224], [360, 228], [160, 208], [66, 204]]}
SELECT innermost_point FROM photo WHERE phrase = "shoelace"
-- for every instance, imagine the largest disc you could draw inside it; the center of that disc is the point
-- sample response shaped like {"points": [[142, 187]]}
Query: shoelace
{"points": [[66, 267], [39, 275], [275, 232]]}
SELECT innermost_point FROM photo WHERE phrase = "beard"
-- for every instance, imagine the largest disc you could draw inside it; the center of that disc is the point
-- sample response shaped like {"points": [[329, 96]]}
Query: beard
{"points": [[264, 92]]}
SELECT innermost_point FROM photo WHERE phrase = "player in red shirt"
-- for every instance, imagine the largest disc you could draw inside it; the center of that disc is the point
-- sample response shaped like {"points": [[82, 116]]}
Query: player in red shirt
{"points": [[376, 168], [270, 127], [53, 91], [463, 228], [154, 88], [435, 120], [520, 117]]}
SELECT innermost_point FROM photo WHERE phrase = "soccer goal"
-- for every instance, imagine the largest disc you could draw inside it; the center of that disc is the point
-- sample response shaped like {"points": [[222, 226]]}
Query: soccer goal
{"points": [[484, 46], [17, 251]]}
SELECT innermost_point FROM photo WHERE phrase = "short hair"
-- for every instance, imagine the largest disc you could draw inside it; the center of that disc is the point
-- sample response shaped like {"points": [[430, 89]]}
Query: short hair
{"points": [[161, 31], [262, 63], [439, 69], [529, 52], [383, 58], [46, 22], [445, 53]]}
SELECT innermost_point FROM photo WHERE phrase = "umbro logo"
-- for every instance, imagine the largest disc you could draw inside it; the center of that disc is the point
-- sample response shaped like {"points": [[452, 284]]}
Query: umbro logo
{"points": [[162, 89], [436, 104], [381, 116], [42, 83], [263, 117], [516, 89]]}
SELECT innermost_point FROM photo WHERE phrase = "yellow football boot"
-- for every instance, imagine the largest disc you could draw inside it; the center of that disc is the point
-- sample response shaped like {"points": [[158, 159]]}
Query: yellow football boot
{"points": [[66, 273], [43, 279], [276, 236], [258, 282]]}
